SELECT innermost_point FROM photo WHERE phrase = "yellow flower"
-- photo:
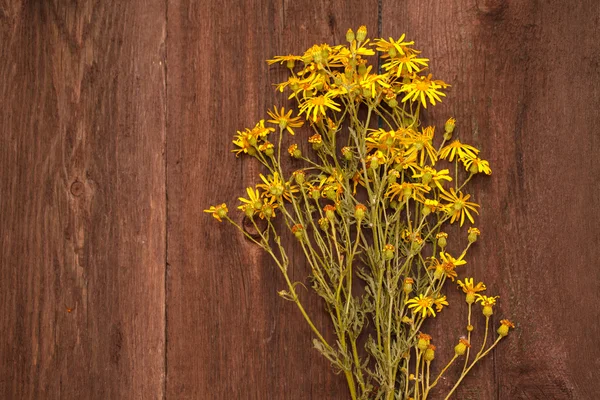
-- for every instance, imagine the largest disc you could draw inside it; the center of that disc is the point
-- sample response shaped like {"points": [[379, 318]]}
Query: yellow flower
{"points": [[317, 106], [284, 120], [456, 148], [430, 175], [421, 143], [421, 304], [406, 64], [459, 206], [253, 200], [218, 212], [422, 88], [407, 190], [243, 140], [399, 46], [505, 325], [440, 302], [276, 188], [284, 59], [469, 287], [486, 301], [477, 165]]}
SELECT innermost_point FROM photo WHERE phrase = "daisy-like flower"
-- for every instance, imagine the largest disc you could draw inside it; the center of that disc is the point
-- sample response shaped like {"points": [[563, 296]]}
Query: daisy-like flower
{"points": [[314, 107], [406, 65], [487, 302], [421, 304], [458, 149], [439, 303], [260, 131], [421, 144], [422, 88], [276, 188], [218, 212], [407, 190], [284, 59], [429, 175], [243, 140], [459, 206], [476, 165], [400, 46], [470, 289], [253, 200], [284, 120]]}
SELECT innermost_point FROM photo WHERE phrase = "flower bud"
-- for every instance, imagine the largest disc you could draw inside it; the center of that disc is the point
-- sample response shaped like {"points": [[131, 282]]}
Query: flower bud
{"points": [[299, 176], [374, 162], [407, 287], [350, 36], [324, 223], [361, 34], [441, 239], [462, 346], [473, 234], [393, 103], [449, 126], [359, 212], [505, 325], [295, 151], [347, 153], [329, 212], [315, 194], [393, 176], [330, 193], [470, 328], [388, 251], [298, 231], [423, 342], [429, 353]]}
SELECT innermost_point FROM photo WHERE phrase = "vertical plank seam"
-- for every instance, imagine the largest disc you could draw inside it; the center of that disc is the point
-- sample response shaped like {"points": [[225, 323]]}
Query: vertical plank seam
{"points": [[166, 186]]}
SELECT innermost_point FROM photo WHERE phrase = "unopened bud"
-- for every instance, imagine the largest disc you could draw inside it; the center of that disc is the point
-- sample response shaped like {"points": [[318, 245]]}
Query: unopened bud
{"points": [[350, 36], [407, 287], [324, 223], [359, 212], [361, 34], [461, 348], [388, 251], [429, 353]]}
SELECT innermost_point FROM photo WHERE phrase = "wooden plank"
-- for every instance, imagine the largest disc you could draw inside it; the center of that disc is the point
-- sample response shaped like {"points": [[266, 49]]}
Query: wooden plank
{"points": [[229, 334], [83, 205], [525, 90]]}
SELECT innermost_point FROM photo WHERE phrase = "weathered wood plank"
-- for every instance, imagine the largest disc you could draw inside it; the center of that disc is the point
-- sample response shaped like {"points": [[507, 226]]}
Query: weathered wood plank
{"points": [[525, 90], [82, 199], [229, 334]]}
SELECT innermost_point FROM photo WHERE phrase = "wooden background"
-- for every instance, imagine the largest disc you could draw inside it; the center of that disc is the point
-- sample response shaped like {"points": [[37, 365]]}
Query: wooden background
{"points": [[116, 121]]}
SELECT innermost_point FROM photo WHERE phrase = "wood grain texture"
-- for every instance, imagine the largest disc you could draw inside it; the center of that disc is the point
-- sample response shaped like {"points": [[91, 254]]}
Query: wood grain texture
{"points": [[222, 303], [524, 76], [116, 121], [82, 199]]}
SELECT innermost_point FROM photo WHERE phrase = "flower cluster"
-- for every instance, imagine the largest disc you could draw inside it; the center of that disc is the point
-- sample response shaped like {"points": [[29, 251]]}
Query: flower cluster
{"points": [[368, 201]]}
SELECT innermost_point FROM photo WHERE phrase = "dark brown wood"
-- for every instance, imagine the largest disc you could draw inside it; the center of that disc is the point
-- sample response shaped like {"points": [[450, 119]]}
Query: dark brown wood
{"points": [[115, 115], [82, 199], [229, 334], [524, 76]]}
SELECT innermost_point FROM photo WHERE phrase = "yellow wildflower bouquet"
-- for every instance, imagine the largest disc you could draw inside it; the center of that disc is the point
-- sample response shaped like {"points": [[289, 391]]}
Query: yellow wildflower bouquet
{"points": [[368, 209]]}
